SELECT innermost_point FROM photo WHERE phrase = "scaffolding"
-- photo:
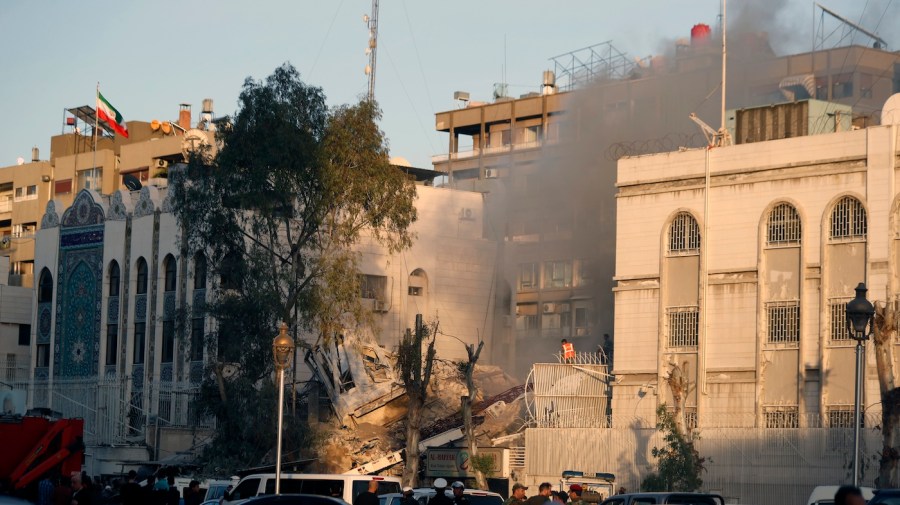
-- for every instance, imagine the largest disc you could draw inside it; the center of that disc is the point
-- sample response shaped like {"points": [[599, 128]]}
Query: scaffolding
{"points": [[597, 62], [569, 395]]}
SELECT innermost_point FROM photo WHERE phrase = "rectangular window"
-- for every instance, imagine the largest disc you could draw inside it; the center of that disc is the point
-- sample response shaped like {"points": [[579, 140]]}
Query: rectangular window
{"points": [[140, 330], [63, 187], [842, 86], [837, 308], [10, 366], [168, 341], [112, 343], [197, 334], [781, 417], [24, 334], [557, 274], [683, 326], [43, 355], [865, 85], [24, 193], [528, 276], [373, 287], [414, 291], [90, 178], [783, 322], [527, 321]]}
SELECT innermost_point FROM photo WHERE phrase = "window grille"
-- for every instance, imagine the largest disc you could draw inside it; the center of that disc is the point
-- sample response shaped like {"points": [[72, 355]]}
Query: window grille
{"points": [[848, 219], [782, 417], [841, 416], [783, 322], [837, 308], [684, 234], [683, 325], [784, 226], [690, 417]]}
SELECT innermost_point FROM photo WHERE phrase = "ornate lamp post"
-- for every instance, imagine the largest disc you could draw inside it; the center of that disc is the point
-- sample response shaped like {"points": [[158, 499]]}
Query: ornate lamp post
{"points": [[859, 318], [283, 352]]}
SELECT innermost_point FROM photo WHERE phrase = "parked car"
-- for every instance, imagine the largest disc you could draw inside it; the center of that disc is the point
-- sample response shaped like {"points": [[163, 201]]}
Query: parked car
{"points": [[665, 498], [295, 499], [824, 495], [422, 495], [345, 487], [885, 497]]}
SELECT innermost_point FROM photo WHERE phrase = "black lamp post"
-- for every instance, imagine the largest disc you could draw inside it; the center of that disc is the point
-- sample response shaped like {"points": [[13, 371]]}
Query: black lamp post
{"points": [[860, 313], [282, 351]]}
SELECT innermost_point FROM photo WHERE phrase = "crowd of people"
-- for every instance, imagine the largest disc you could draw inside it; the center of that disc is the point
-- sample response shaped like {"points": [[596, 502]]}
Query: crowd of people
{"points": [[81, 489]]}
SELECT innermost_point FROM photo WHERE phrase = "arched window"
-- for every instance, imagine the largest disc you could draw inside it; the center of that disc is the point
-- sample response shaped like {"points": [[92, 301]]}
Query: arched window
{"points": [[230, 271], [141, 276], [45, 287], [848, 219], [170, 267], [114, 277], [684, 234], [199, 270], [784, 225]]}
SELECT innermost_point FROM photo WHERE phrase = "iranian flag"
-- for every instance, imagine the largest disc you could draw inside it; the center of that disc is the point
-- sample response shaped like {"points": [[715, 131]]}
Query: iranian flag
{"points": [[108, 113]]}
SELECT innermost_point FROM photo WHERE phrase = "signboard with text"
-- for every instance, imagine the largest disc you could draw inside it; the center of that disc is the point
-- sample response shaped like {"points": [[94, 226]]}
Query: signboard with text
{"points": [[455, 462]]}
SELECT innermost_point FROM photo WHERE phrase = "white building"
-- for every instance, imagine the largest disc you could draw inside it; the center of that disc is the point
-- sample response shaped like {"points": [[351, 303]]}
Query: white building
{"points": [[748, 295], [110, 277]]}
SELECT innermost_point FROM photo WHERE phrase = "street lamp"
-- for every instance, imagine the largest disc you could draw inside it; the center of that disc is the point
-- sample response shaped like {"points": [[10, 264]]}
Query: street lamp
{"points": [[859, 316], [283, 352]]}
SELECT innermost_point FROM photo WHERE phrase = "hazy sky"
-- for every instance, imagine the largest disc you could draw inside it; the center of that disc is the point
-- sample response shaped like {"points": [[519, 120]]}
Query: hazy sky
{"points": [[149, 56]]}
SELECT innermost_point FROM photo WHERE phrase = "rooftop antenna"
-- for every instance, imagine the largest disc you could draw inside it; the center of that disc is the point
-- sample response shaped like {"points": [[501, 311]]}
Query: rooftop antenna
{"points": [[879, 43], [372, 24]]}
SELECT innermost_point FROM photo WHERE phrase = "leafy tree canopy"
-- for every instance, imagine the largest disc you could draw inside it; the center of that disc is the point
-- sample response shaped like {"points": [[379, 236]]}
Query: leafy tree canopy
{"points": [[679, 465], [294, 186]]}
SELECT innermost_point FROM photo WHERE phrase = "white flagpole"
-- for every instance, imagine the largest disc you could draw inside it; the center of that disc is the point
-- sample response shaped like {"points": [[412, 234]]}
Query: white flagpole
{"points": [[96, 125]]}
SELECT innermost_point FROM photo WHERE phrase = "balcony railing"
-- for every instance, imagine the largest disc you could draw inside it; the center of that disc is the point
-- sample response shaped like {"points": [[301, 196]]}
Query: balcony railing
{"points": [[475, 152]]}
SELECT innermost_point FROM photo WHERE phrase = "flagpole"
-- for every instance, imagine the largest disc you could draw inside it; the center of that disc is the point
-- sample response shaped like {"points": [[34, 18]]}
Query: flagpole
{"points": [[96, 125]]}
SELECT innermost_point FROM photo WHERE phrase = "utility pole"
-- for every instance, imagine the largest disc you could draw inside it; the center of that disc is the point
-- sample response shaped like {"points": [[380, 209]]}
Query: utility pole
{"points": [[371, 50]]}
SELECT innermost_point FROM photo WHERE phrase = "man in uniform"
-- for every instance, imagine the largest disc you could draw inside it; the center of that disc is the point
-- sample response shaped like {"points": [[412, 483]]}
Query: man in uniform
{"points": [[575, 491]]}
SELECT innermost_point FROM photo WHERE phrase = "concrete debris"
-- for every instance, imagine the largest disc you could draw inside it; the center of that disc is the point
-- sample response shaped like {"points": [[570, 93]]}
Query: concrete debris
{"points": [[369, 402]]}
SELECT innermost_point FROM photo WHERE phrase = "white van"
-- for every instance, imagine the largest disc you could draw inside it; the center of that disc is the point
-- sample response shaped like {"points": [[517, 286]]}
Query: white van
{"points": [[345, 487]]}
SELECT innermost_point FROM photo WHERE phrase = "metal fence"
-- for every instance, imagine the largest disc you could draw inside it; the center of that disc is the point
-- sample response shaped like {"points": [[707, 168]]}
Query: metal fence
{"points": [[113, 411], [745, 465]]}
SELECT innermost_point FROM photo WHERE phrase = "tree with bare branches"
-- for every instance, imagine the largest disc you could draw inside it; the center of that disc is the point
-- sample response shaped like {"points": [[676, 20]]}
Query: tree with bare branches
{"points": [[415, 372], [468, 370], [681, 387]]}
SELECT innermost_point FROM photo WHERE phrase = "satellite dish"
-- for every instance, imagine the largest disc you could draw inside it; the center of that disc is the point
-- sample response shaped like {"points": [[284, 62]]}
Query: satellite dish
{"points": [[166, 128], [20, 161], [890, 113], [131, 182], [154, 125]]}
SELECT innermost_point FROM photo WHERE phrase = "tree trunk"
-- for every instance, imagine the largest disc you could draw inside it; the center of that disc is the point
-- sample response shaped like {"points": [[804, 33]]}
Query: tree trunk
{"points": [[885, 331], [680, 388], [468, 426], [413, 421], [220, 381]]}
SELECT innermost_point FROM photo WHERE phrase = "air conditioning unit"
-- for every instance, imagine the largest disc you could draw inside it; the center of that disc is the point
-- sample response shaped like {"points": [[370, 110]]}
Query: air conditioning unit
{"points": [[491, 173], [549, 308], [466, 214], [379, 306], [162, 163], [563, 307], [582, 332]]}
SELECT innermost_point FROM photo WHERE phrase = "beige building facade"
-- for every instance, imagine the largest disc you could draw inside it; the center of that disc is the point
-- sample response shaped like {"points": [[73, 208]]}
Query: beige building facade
{"points": [[744, 288]]}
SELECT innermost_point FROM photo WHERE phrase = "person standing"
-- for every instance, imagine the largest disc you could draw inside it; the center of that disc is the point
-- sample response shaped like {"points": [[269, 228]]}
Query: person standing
{"points": [[408, 498], [63, 493], [543, 495], [369, 496], [130, 493], [45, 491], [173, 497], [459, 498], [440, 493], [81, 490], [192, 495], [568, 351], [518, 495], [575, 491], [849, 495]]}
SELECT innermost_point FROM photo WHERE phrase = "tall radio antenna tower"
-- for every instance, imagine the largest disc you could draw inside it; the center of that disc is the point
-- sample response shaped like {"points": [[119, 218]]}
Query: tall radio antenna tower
{"points": [[372, 24]]}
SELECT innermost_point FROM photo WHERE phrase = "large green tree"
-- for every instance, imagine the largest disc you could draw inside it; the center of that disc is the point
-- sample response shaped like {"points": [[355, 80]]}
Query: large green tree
{"points": [[294, 186]]}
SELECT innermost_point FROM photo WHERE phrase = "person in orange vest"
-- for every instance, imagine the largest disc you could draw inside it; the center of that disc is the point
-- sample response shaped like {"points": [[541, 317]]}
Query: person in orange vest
{"points": [[568, 351]]}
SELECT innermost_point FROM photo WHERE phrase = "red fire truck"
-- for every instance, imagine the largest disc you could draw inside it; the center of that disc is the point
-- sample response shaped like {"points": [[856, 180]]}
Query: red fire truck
{"points": [[33, 446]]}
